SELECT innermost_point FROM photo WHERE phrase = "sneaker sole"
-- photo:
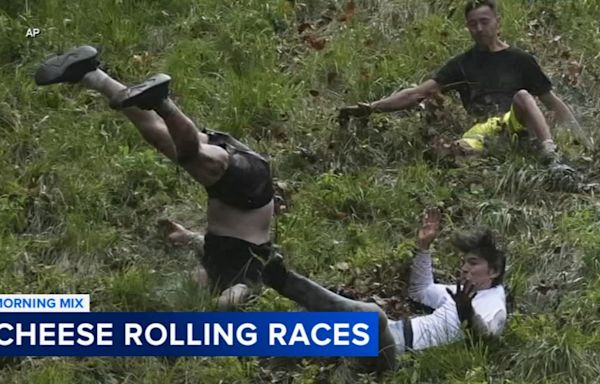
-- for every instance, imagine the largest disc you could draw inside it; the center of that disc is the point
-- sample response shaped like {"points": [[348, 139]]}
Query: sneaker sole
{"points": [[65, 67], [143, 93]]}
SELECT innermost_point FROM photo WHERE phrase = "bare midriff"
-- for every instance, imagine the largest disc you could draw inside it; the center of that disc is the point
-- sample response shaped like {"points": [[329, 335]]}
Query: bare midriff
{"points": [[249, 225]]}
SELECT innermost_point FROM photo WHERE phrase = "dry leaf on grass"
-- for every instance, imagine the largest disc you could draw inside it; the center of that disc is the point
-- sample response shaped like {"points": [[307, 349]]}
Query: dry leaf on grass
{"points": [[314, 41], [349, 11]]}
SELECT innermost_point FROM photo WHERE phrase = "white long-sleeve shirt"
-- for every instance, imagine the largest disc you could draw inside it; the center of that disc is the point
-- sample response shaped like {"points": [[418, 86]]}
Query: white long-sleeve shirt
{"points": [[443, 325]]}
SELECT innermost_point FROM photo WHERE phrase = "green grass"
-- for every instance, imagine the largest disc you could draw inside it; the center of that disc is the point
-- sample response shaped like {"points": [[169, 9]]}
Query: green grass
{"points": [[80, 192]]}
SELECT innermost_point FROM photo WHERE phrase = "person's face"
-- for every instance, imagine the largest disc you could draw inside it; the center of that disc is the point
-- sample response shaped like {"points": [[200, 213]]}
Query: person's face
{"points": [[476, 270], [483, 23]]}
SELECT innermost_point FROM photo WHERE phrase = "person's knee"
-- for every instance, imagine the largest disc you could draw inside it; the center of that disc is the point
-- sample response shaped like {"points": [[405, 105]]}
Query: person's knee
{"points": [[386, 359], [382, 319], [522, 99], [381, 316], [372, 307]]}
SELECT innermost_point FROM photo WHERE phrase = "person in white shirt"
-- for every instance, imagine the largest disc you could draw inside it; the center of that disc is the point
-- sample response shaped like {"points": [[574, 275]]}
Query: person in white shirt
{"points": [[477, 299]]}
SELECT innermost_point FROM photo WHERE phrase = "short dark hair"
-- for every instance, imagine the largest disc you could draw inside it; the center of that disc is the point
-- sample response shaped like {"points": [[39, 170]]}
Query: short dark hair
{"points": [[483, 244], [474, 4]]}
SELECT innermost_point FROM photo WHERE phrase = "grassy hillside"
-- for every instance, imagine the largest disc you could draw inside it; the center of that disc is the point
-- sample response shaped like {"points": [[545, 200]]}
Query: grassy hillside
{"points": [[80, 192]]}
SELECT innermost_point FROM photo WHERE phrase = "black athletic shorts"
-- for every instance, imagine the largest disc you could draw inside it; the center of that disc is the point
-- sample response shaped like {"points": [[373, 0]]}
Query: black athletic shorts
{"points": [[229, 261]]}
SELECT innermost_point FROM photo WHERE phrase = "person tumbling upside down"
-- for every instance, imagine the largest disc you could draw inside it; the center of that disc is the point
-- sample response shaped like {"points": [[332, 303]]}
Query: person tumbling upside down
{"points": [[477, 299], [238, 180]]}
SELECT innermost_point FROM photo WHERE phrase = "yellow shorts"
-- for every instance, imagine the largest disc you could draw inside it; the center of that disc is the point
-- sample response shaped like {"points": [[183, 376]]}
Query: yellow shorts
{"points": [[475, 136]]}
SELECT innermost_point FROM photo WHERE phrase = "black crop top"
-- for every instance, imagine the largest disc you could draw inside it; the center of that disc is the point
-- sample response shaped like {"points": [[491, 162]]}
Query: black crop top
{"points": [[247, 183]]}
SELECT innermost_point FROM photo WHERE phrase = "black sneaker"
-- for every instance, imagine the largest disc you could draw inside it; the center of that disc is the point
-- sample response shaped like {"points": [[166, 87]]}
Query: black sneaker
{"points": [[70, 67], [146, 95]]}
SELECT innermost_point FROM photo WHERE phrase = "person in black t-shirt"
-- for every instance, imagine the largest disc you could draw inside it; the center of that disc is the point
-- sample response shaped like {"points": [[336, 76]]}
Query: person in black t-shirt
{"points": [[497, 84]]}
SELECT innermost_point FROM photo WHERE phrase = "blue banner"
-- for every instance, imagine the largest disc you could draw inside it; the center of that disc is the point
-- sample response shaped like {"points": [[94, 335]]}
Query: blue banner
{"points": [[189, 334]]}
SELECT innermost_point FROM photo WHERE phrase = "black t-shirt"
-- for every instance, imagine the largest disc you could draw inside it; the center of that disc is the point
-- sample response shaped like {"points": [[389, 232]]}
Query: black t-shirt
{"points": [[487, 81], [247, 182]]}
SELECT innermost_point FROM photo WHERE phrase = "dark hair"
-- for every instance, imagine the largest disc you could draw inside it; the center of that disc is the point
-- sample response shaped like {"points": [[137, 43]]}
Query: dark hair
{"points": [[474, 4], [483, 244]]}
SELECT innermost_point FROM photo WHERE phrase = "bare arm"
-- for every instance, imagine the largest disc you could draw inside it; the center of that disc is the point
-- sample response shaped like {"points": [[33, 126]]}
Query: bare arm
{"points": [[407, 97], [565, 116]]}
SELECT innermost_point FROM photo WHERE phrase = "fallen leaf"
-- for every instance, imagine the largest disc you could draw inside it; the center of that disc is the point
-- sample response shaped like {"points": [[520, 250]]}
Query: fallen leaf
{"points": [[349, 11], [379, 301], [574, 69], [315, 42], [304, 26]]}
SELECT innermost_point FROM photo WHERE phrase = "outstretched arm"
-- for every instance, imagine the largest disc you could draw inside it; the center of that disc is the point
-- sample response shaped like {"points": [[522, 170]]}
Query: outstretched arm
{"points": [[407, 97], [565, 116], [422, 287], [403, 99]]}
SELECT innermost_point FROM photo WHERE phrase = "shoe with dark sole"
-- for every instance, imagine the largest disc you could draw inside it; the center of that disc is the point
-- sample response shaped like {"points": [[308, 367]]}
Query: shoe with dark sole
{"points": [[70, 67], [146, 95]]}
